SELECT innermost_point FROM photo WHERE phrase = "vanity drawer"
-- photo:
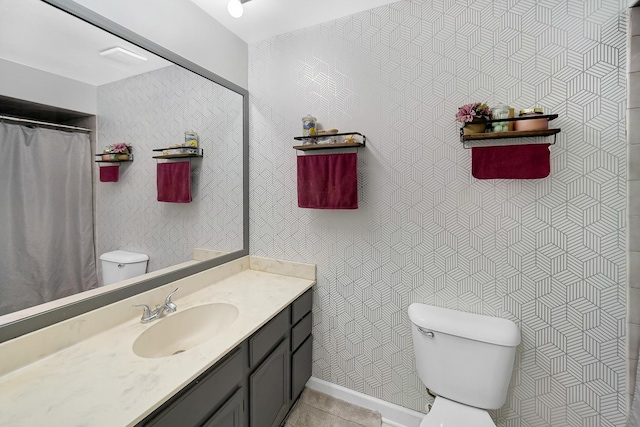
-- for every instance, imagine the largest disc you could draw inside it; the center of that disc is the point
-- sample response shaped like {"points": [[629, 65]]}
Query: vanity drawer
{"points": [[301, 306], [203, 396], [300, 332], [268, 337]]}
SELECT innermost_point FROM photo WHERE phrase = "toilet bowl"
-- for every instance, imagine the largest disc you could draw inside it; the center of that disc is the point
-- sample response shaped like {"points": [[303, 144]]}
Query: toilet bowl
{"points": [[466, 360]]}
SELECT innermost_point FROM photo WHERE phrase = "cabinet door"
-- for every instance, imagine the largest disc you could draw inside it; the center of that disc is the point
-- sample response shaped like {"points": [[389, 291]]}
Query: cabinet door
{"points": [[269, 389], [301, 367], [231, 414], [196, 402]]}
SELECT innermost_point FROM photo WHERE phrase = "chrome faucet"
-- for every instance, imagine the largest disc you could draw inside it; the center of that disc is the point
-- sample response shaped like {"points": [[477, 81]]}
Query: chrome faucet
{"points": [[168, 307]]}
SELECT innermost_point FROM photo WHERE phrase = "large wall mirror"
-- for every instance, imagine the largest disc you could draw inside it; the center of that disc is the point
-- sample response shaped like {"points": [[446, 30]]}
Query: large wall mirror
{"points": [[73, 85]]}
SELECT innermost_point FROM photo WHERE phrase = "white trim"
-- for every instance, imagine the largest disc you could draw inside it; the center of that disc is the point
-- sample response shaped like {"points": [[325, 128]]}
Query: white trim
{"points": [[392, 414]]}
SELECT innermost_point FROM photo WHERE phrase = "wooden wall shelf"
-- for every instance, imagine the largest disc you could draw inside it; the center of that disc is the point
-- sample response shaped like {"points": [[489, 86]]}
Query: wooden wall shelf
{"points": [[327, 146], [512, 134], [194, 152], [309, 147], [517, 119]]}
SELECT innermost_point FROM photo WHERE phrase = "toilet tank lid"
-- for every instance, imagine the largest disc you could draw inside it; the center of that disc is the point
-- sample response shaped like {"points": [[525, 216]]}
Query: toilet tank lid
{"points": [[493, 330], [124, 257]]}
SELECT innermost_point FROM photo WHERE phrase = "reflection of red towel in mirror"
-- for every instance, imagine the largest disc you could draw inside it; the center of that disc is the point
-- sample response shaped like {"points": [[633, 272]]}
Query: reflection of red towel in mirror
{"points": [[328, 181], [109, 173], [531, 161], [174, 182]]}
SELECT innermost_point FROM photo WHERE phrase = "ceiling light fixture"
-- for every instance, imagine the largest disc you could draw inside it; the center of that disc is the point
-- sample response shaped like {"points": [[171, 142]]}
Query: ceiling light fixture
{"points": [[235, 7]]}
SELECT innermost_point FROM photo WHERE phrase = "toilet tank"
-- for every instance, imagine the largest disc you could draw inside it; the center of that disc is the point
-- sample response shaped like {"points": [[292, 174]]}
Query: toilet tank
{"points": [[121, 265], [464, 357]]}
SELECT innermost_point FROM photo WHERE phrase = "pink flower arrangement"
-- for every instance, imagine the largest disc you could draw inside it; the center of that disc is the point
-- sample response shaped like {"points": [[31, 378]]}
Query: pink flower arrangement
{"points": [[118, 148], [469, 112]]}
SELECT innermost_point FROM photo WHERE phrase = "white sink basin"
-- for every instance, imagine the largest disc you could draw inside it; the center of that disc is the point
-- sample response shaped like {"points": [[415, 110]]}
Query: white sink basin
{"points": [[184, 330]]}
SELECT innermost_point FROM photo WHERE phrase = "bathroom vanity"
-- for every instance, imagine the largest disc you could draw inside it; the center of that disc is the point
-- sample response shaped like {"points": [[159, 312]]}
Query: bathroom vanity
{"points": [[255, 384], [84, 371]]}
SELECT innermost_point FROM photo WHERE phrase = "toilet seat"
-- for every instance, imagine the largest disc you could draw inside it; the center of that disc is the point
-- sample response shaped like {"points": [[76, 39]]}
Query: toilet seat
{"points": [[447, 413]]}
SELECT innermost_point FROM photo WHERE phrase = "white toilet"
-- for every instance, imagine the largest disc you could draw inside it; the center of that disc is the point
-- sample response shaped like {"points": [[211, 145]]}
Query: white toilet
{"points": [[464, 359], [121, 265]]}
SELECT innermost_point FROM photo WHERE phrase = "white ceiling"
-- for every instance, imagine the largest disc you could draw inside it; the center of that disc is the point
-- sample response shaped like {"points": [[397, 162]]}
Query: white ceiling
{"points": [[37, 35], [267, 18]]}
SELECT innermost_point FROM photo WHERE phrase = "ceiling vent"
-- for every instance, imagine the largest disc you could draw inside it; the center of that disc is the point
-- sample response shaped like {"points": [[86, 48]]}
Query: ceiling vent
{"points": [[122, 55]]}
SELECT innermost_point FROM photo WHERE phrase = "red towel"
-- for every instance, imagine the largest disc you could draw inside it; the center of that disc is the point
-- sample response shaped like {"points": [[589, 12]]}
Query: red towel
{"points": [[530, 161], [174, 182], [109, 173], [328, 181]]}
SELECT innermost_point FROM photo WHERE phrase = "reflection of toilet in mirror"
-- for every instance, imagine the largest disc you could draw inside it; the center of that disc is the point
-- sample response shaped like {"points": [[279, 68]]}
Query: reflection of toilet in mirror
{"points": [[464, 359], [122, 265]]}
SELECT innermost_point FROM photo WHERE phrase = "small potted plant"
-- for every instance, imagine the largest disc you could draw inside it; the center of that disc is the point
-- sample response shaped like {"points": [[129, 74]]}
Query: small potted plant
{"points": [[117, 152], [473, 116]]}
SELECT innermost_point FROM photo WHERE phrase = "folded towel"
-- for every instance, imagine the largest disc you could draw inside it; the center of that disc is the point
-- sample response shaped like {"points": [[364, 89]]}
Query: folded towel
{"points": [[174, 182], [109, 173], [328, 181], [530, 161]]}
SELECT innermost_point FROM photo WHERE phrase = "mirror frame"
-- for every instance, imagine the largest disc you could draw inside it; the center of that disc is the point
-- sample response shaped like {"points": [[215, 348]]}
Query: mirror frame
{"points": [[37, 321]]}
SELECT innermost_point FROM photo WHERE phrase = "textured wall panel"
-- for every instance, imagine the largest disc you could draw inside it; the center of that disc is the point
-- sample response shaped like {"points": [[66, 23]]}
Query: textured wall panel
{"points": [[153, 110], [548, 254]]}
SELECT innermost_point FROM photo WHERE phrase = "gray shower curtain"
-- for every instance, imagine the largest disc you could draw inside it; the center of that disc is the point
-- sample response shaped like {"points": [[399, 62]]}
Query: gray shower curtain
{"points": [[46, 216]]}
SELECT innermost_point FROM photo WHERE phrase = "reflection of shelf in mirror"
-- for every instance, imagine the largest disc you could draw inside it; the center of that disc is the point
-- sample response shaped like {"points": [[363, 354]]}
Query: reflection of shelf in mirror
{"points": [[177, 156], [192, 152], [116, 160]]}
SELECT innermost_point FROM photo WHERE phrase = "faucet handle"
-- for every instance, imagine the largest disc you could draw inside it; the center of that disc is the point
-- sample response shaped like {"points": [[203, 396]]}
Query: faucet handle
{"points": [[147, 310], [170, 304], [168, 299]]}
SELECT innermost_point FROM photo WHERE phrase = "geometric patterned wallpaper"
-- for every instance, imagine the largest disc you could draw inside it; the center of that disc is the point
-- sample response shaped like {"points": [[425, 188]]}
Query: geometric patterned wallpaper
{"points": [[548, 254], [153, 110]]}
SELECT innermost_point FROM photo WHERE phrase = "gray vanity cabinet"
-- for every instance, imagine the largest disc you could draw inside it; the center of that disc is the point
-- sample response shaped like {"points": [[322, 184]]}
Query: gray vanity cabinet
{"points": [[300, 368], [269, 389], [231, 414], [196, 403], [301, 343], [255, 385]]}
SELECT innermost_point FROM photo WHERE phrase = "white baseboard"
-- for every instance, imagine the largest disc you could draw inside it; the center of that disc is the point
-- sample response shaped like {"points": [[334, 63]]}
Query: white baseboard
{"points": [[392, 414]]}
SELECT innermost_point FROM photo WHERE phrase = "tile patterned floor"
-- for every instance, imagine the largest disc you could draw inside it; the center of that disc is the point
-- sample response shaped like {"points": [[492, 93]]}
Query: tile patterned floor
{"points": [[315, 409]]}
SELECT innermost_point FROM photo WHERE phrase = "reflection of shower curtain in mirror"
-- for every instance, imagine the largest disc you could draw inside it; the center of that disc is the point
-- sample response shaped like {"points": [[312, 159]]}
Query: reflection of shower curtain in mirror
{"points": [[46, 216]]}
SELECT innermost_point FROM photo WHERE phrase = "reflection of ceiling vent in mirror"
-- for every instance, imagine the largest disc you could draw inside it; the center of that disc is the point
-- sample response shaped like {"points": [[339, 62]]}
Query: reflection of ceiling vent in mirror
{"points": [[123, 55]]}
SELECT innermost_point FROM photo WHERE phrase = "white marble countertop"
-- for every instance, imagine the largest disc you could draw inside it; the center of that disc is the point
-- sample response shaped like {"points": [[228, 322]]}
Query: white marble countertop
{"points": [[99, 381]]}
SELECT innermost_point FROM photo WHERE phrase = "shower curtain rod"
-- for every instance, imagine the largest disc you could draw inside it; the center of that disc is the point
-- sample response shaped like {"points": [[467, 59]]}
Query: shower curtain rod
{"points": [[35, 122]]}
